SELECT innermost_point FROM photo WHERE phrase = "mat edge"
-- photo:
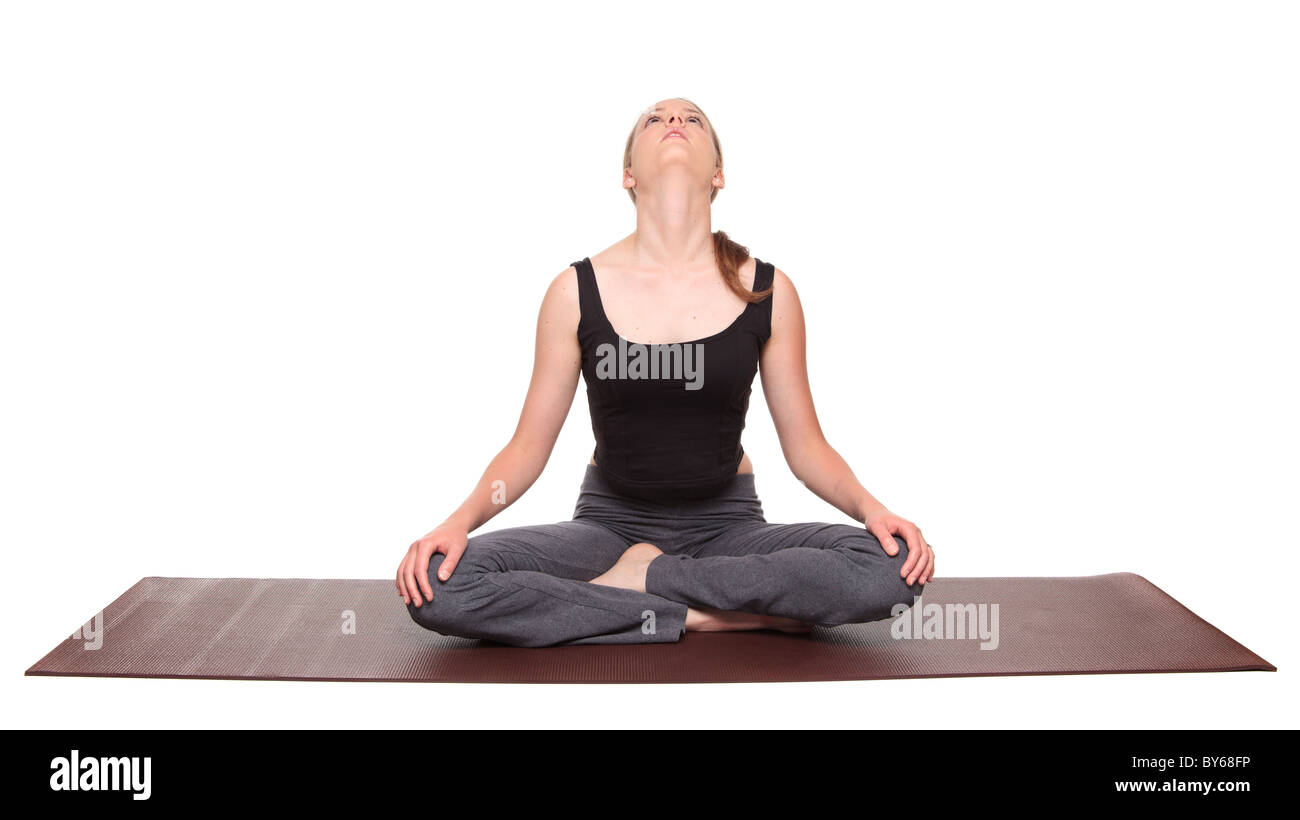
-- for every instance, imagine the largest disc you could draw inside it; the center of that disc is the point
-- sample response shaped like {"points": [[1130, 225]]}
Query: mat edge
{"points": [[1267, 666], [1043, 674]]}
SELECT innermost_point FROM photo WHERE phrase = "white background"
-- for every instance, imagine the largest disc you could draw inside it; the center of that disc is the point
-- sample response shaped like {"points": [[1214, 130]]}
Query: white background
{"points": [[271, 272]]}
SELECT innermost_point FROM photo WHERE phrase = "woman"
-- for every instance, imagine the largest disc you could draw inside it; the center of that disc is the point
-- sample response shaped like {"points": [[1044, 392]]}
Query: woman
{"points": [[668, 534]]}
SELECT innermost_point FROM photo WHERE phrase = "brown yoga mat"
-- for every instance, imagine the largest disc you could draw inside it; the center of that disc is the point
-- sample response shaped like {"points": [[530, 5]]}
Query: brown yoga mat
{"points": [[351, 630]]}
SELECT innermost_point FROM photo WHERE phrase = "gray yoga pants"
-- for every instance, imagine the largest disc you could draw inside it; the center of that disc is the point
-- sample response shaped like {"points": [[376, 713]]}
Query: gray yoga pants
{"points": [[528, 586]]}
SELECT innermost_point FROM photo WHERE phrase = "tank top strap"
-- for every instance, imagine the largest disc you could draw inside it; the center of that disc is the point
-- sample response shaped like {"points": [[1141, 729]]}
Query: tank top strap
{"points": [[764, 273], [588, 295]]}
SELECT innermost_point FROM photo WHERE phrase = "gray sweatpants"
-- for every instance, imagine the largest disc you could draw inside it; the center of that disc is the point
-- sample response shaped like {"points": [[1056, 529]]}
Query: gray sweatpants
{"points": [[528, 586]]}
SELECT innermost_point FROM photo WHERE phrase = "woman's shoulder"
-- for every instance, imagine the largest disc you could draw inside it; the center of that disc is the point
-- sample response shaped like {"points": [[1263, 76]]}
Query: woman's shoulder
{"points": [[785, 306], [567, 278], [780, 280], [772, 277], [560, 303]]}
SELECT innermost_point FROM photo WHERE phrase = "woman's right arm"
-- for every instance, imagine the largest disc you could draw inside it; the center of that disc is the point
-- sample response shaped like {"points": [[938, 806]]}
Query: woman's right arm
{"points": [[557, 362]]}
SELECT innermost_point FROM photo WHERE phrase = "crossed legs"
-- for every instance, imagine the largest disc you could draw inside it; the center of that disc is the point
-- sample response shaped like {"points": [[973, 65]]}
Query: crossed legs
{"points": [[578, 582]]}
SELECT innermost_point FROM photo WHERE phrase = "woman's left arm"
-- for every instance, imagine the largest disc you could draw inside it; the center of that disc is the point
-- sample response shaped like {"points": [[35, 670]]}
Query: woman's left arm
{"points": [[811, 458]]}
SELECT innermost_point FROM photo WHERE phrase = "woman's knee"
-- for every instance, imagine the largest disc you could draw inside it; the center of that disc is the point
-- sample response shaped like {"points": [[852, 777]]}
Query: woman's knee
{"points": [[879, 588], [446, 611]]}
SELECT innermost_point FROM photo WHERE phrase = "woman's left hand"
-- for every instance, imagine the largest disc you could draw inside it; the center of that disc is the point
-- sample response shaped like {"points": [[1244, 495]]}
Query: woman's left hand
{"points": [[920, 558]]}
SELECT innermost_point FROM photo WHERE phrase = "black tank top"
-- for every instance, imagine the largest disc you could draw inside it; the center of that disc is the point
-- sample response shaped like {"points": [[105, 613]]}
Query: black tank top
{"points": [[668, 417]]}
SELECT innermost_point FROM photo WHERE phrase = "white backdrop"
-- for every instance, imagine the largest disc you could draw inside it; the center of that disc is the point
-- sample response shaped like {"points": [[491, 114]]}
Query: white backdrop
{"points": [[271, 272]]}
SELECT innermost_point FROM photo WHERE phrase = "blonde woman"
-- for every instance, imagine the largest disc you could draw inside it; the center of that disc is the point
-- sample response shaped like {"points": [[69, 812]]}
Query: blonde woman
{"points": [[668, 327]]}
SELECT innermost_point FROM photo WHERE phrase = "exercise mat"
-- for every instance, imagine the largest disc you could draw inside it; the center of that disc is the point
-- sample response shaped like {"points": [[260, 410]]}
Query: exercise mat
{"points": [[359, 630]]}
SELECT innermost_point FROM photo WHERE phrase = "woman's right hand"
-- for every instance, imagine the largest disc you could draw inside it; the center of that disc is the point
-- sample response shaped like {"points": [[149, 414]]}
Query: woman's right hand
{"points": [[413, 572]]}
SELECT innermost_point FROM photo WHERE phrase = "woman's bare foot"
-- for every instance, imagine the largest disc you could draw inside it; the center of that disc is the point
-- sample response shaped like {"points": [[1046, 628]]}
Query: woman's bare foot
{"points": [[717, 620], [629, 571]]}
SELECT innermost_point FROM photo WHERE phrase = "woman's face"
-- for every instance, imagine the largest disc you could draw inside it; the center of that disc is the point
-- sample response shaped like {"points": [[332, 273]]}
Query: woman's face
{"points": [[672, 134]]}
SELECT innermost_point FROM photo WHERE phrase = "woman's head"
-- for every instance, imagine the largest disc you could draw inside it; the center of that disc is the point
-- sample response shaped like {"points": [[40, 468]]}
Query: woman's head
{"points": [[650, 151]]}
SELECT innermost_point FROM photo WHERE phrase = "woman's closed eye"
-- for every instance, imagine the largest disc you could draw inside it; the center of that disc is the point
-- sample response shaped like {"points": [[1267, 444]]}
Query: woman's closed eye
{"points": [[654, 117]]}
